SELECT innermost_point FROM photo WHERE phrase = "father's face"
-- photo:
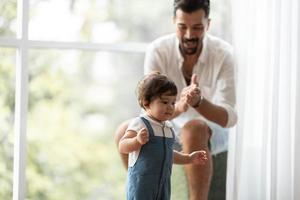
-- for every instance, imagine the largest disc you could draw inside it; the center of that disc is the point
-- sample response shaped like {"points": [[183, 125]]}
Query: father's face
{"points": [[190, 30]]}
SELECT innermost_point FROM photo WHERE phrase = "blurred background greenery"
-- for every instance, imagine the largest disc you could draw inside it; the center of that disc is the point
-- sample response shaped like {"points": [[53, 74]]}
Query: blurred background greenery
{"points": [[77, 98]]}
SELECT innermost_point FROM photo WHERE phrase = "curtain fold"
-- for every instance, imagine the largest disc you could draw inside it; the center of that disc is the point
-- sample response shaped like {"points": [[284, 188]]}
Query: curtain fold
{"points": [[263, 162], [296, 60]]}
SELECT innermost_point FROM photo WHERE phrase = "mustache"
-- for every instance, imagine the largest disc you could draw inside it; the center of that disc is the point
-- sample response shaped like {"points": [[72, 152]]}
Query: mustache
{"points": [[190, 40]]}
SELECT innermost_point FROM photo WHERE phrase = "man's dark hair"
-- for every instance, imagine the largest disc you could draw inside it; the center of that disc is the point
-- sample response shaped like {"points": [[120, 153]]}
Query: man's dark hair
{"points": [[189, 6]]}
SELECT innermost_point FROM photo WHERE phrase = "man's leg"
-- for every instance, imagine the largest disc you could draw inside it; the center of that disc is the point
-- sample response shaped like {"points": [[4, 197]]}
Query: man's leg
{"points": [[218, 182], [195, 136], [119, 134]]}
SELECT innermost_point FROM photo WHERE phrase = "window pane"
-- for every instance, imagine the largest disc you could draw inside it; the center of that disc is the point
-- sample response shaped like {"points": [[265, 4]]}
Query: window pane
{"points": [[76, 101], [7, 107], [8, 18], [220, 14], [104, 21], [108, 21]]}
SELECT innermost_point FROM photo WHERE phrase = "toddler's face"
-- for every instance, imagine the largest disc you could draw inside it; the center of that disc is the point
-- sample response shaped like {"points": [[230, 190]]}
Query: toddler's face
{"points": [[162, 108]]}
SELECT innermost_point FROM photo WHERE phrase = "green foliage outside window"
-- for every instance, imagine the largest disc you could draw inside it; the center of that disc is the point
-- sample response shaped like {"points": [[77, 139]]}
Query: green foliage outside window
{"points": [[7, 95]]}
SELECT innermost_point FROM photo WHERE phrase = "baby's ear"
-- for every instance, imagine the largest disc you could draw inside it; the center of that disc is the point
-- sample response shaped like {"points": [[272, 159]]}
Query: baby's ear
{"points": [[145, 104]]}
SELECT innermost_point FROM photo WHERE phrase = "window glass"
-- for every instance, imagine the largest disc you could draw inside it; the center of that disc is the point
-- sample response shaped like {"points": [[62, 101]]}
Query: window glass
{"points": [[220, 14], [7, 107], [104, 21], [8, 18], [108, 21], [76, 101]]}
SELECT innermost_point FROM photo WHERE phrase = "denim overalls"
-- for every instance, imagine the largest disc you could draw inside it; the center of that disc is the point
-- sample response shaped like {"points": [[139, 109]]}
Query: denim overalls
{"points": [[150, 177]]}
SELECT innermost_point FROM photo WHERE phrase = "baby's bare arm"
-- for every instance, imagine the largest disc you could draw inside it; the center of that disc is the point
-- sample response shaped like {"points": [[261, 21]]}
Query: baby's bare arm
{"points": [[133, 141]]}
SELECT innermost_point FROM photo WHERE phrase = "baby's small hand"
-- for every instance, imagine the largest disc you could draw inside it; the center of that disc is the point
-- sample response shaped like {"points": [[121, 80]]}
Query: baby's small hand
{"points": [[142, 136], [198, 157]]}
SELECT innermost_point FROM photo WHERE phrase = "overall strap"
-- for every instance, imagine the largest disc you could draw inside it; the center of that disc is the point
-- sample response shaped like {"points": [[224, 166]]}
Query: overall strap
{"points": [[173, 133], [148, 126]]}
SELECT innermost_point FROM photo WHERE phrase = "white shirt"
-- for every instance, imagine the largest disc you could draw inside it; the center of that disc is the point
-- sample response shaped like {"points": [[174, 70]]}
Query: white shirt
{"points": [[214, 68], [137, 124]]}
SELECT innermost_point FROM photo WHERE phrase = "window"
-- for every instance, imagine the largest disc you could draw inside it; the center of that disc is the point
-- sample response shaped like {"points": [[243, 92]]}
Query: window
{"points": [[103, 21], [8, 18], [76, 100], [7, 105], [69, 71]]}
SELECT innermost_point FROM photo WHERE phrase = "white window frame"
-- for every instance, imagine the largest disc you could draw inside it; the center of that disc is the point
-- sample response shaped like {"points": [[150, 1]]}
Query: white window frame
{"points": [[23, 44]]}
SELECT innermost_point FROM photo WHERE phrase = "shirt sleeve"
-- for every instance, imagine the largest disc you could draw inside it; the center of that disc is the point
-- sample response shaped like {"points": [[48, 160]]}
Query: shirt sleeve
{"points": [[153, 60], [135, 125], [225, 95]]}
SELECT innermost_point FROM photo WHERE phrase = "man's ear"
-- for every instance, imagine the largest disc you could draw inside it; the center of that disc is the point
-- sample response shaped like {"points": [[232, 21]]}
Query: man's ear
{"points": [[208, 24], [174, 17]]}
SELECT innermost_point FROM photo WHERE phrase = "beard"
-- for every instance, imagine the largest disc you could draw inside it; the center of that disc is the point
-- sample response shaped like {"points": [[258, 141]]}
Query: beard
{"points": [[189, 46]]}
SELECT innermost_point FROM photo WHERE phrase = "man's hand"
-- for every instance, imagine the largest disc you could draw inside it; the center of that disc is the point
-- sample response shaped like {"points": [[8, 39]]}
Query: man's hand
{"points": [[192, 92], [188, 96], [182, 105], [142, 136]]}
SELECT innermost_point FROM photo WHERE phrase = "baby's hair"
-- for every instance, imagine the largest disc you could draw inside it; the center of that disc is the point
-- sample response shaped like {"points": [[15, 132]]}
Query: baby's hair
{"points": [[154, 85]]}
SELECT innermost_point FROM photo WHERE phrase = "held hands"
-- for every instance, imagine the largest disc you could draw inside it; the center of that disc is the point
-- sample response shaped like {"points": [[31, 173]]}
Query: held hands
{"points": [[198, 157], [142, 136]]}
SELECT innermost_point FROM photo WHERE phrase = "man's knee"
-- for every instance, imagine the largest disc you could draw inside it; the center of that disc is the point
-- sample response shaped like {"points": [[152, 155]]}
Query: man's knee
{"points": [[118, 135], [195, 129], [121, 131], [195, 133]]}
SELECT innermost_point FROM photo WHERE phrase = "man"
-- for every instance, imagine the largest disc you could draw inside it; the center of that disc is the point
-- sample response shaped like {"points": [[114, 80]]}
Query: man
{"points": [[205, 107]]}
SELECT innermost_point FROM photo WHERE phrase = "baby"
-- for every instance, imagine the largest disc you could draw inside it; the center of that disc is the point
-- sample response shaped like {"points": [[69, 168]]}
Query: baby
{"points": [[149, 141]]}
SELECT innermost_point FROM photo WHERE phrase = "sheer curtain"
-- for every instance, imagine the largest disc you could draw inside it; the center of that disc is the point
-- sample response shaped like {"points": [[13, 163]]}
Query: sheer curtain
{"points": [[264, 156]]}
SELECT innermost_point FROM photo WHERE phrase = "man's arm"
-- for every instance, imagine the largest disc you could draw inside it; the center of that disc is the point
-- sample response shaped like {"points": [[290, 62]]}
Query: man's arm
{"points": [[212, 112], [154, 60], [222, 111], [181, 105]]}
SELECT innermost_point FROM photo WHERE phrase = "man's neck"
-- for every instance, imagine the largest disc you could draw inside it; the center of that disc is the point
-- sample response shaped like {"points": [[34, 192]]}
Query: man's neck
{"points": [[193, 57], [191, 60], [188, 65]]}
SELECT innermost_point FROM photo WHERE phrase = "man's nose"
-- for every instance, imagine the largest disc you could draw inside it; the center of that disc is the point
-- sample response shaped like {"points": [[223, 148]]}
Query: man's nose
{"points": [[188, 34]]}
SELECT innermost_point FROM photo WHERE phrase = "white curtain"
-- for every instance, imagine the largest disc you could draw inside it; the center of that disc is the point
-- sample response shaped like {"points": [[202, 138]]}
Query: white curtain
{"points": [[264, 152]]}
